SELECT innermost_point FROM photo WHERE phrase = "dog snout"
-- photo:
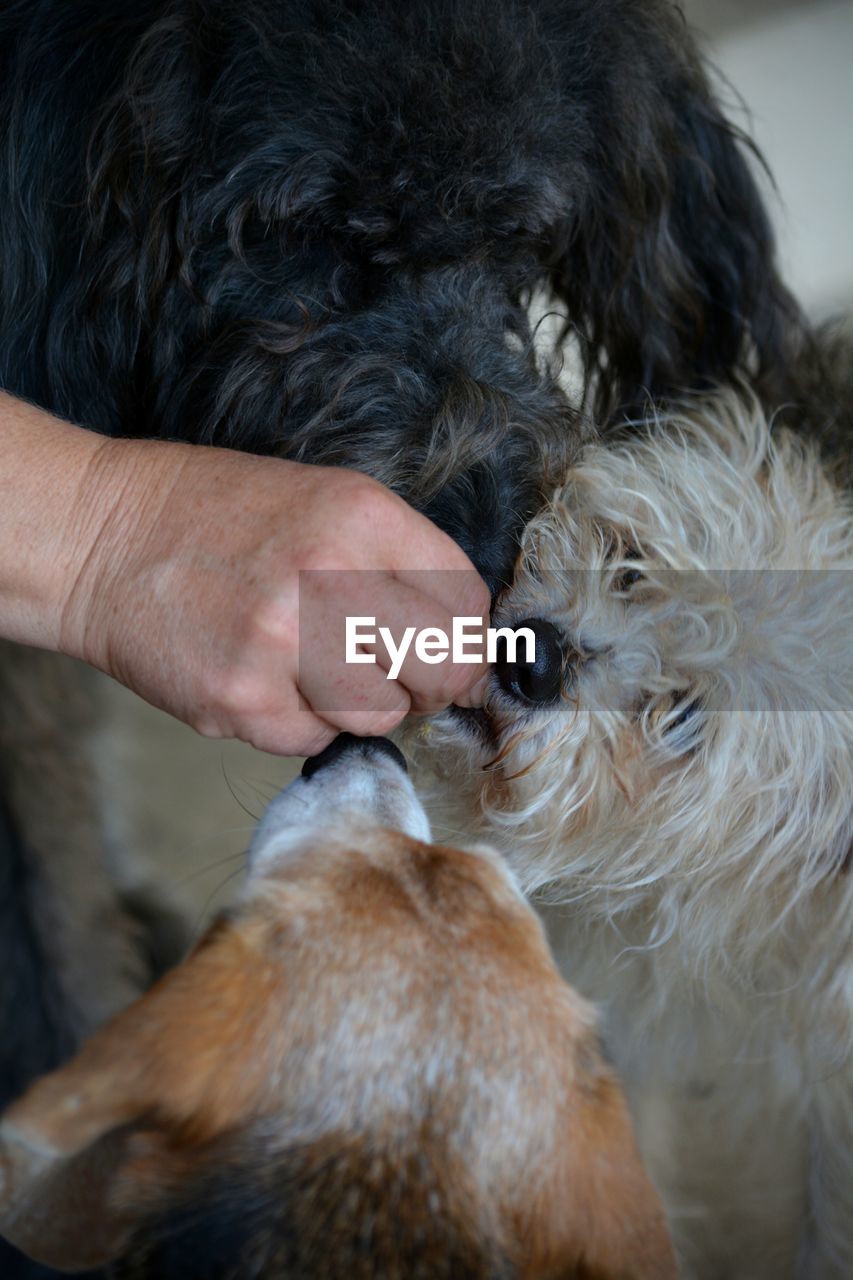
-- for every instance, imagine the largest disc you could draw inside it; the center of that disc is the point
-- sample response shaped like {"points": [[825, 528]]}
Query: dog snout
{"points": [[540, 682], [352, 783], [347, 744]]}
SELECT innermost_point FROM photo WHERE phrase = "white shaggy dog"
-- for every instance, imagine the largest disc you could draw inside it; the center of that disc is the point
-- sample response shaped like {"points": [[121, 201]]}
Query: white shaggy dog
{"points": [[677, 784]]}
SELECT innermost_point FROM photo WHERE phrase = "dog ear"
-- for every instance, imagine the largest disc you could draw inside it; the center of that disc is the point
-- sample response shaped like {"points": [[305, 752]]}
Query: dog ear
{"points": [[625, 1234], [82, 1151], [668, 271], [55, 1203], [600, 1217], [63, 1146]]}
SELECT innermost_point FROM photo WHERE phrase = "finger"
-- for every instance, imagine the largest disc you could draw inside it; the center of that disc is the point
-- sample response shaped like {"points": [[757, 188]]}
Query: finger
{"points": [[461, 592], [423, 637], [422, 546], [355, 696], [475, 696], [401, 626], [295, 733]]}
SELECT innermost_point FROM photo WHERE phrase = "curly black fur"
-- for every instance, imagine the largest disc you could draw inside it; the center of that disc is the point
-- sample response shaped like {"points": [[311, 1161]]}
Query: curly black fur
{"points": [[311, 227]]}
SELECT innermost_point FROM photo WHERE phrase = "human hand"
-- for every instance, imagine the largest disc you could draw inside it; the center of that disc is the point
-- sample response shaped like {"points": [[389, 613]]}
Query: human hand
{"points": [[189, 593]]}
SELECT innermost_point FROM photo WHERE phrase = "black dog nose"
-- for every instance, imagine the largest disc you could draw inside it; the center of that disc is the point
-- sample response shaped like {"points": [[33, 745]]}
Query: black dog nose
{"points": [[348, 744], [538, 682]]}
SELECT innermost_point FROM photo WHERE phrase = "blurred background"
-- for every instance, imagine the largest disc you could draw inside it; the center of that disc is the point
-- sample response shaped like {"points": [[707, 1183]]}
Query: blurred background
{"points": [[791, 64], [182, 807]]}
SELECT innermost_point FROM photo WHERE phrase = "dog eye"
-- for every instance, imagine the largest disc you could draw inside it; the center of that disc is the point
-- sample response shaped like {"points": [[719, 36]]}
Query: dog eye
{"points": [[686, 714], [624, 581], [675, 720], [625, 577]]}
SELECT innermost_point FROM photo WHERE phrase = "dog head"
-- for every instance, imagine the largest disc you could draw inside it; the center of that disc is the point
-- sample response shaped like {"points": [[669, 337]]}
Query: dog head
{"points": [[683, 738], [369, 1067], [337, 265]]}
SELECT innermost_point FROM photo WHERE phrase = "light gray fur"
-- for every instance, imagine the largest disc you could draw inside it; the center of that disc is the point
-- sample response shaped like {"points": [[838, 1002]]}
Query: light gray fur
{"points": [[698, 873]]}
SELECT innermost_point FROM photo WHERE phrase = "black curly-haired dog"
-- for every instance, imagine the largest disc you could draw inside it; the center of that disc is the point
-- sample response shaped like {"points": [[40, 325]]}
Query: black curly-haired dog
{"points": [[312, 228]]}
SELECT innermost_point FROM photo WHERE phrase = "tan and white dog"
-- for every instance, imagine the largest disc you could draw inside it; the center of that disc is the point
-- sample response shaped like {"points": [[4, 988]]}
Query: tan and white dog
{"points": [[369, 1067], [675, 772]]}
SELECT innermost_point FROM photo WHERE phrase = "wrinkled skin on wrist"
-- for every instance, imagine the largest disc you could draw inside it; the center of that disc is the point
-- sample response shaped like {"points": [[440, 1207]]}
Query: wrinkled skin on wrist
{"points": [[188, 592]]}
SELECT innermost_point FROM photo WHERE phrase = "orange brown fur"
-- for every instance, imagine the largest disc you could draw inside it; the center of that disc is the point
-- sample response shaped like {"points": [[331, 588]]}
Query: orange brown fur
{"points": [[377, 1035]]}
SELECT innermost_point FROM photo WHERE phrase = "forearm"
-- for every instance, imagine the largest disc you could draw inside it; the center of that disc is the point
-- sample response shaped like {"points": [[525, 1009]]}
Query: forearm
{"points": [[71, 503], [50, 514]]}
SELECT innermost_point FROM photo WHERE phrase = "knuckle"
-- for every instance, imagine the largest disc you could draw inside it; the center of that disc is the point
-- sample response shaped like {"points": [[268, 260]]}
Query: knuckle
{"points": [[241, 694], [264, 618], [206, 725], [320, 558], [274, 623], [365, 498]]}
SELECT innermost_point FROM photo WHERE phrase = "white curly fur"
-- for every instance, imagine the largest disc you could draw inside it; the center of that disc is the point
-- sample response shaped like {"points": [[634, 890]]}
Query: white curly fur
{"points": [[687, 811]]}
